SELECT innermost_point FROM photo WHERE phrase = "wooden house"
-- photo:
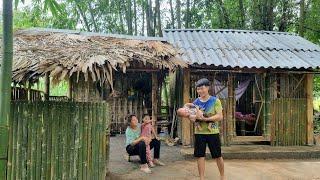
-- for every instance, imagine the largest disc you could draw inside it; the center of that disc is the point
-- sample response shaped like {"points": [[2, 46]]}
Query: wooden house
{"points": [[264, 79]]}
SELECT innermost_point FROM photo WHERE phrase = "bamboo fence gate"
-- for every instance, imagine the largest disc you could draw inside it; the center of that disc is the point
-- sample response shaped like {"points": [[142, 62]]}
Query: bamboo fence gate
{"points": [[58, 140]]}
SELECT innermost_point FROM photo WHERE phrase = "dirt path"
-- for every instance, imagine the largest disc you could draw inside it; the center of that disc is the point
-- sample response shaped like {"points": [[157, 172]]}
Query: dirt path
{"points": [[177, 168], [235, 170]]}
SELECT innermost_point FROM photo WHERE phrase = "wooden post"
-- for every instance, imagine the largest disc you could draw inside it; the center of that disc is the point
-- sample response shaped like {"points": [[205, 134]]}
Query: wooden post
{"points": [[70, 82], [154, 99], [309, 91], [267, 103], [186, 124], [230, 110], [47, 87]]}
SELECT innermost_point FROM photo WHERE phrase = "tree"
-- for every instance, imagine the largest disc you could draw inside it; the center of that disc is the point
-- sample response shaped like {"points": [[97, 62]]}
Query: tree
{"points": [[302, 18], [242, 15], [187, 17], [158, 17], [178, 7], [172, 15]]}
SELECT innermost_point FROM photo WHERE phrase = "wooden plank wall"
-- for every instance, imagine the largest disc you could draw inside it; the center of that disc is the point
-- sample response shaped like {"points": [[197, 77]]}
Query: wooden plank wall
{"points": [[58, 140]]}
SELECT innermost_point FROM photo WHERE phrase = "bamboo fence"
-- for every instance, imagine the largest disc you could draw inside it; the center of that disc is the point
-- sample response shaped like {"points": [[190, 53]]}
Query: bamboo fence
{"points": [[58, 140]]}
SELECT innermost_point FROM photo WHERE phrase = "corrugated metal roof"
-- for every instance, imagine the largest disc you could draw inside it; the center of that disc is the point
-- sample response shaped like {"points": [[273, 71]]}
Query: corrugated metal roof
{"points": [[242, 48]]}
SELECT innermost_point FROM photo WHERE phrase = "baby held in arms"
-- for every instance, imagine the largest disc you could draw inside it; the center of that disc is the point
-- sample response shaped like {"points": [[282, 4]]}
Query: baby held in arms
{"points": [[192, 112]]}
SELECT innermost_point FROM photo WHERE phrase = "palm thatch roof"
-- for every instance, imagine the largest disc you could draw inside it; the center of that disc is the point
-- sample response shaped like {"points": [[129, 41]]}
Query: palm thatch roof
{"points": [[63, 53]]}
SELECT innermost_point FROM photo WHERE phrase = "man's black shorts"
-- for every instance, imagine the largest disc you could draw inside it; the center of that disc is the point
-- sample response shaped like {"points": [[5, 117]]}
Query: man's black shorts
{"points": [[200, 144]]}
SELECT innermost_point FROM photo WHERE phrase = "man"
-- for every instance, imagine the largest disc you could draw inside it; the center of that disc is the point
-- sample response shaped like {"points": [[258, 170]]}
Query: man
{"points": [[136, 144], [212, 113]]}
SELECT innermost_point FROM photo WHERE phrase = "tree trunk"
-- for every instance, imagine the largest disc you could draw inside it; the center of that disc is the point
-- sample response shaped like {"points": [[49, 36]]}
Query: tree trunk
{"points": [[149, 18], [120, 3], [256, 15], [172, 14], [178, 7], [224, 14], [129, 17], [143, 19], [242, 14], [284, 16], [135, 17], [270, 15], [5, 84], [82, 14], [92, 18], [187, 16], [302, 18], [158, 17], [154, 17]]}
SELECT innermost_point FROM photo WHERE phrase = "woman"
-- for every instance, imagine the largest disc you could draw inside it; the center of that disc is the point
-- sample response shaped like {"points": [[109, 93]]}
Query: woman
{"points": [[136, 144]]}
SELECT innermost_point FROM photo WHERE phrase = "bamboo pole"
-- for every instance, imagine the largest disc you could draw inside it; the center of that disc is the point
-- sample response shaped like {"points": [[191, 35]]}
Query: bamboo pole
{"points": [[64, 145], [76, 142], [186, 125], [10, 143], [85, 142], [69, 112], [267, 114], [49, 118], [24, 140], [309, 94], [230, 126], [47, 86], [81, 141], [5, 84], [154, 95]]}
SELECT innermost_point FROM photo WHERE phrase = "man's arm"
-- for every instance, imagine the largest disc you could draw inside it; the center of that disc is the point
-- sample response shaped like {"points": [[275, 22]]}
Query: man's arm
{"points": [[218, 116], [215, 118]]}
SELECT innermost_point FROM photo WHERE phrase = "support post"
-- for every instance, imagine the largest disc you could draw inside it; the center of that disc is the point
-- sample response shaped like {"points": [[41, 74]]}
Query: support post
{"points": [[186, 124], [47, 87], [309, 91], [154, 95], [230, 110], [267, 103]]}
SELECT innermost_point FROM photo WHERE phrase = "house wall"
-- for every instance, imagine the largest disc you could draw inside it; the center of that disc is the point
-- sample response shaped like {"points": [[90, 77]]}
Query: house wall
{"points": [[133, 95], [286, 107]]}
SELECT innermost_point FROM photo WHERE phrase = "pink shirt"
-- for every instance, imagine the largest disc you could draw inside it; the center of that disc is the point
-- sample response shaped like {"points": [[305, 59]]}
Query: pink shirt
{"points": [[146, 130]]}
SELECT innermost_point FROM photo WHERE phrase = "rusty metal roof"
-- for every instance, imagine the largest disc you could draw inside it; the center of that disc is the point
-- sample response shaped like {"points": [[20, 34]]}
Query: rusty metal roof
{"points": [[243, 48]]}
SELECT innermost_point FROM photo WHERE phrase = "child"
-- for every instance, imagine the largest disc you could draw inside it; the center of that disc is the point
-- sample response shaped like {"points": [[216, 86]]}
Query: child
{"points": [[147, 130], [192, 112]]}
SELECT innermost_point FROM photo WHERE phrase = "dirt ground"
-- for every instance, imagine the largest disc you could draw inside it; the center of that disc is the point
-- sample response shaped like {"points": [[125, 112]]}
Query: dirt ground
{"points": [[178, 168], [235, 170]]}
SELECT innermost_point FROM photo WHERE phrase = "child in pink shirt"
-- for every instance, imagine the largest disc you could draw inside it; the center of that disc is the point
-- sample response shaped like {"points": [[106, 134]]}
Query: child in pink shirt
{"points": [[147, 130]]}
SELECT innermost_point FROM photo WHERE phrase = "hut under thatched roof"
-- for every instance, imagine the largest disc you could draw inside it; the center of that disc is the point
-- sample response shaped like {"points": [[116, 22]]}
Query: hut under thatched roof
{"points": [[126, 71], [63, 53]]}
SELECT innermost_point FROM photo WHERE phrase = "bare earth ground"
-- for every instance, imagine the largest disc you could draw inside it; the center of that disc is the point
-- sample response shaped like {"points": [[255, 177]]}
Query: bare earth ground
{"points": [[178, 168]]}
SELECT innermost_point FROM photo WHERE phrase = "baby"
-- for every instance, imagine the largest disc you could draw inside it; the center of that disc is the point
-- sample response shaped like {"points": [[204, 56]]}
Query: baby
{"points": [[193, 113], [147, 130]]}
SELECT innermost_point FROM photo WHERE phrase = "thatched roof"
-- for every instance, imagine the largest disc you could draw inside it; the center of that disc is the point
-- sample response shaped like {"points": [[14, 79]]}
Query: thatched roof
{"points": [[65, 53]]}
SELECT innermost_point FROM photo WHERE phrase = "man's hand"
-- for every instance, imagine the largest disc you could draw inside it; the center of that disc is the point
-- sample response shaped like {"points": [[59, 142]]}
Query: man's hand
{"points": [[199, 114]]}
